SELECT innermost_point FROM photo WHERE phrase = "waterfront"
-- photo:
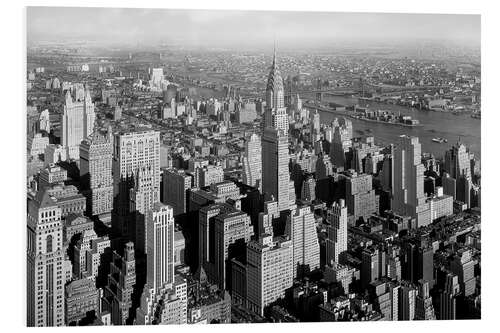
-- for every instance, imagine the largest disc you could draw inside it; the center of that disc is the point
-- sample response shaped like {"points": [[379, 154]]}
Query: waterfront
{"points": [[434, 124]]}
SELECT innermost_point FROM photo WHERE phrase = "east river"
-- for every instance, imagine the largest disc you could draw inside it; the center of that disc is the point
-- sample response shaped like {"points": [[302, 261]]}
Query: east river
{"points": [[435, 124]]}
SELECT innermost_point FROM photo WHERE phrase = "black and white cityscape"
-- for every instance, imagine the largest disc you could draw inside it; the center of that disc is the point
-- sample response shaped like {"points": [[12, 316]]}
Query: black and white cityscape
{"points": [[217, 166]]}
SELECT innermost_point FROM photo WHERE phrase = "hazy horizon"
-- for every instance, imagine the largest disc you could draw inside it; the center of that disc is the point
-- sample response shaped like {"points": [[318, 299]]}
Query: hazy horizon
{"points": [[222, 28]]}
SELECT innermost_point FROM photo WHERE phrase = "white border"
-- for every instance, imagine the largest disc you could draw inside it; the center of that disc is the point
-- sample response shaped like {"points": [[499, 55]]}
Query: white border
{"points": [[14, 165]]}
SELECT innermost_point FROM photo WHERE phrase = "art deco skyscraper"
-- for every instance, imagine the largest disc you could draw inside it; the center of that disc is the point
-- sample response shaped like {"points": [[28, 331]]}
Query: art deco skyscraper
{"points": [[160, 243], [336, 243], [96, 162], [408, 188], [134, 151], [45, 279], [77, 123], [341, 141], [275, 157], [252, 162], [275, 115], [457, 161], [301, 228], [276, 175], [121, 282]]}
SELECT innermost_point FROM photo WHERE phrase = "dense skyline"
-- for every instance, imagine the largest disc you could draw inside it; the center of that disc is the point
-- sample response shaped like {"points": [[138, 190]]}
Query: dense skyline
{"points": [[243, 28]]}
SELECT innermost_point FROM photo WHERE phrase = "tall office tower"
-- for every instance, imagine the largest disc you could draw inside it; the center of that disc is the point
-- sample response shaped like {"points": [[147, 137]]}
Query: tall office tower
{"points": [[424, 309], [336, 243], [407, 301], [301, 228], [463, 189], [369, 266], [269, 271], [77, 123], [276, 177], [386, 175], [275, 115], [308, 193], [81, 248], [393, 263], [176, 184], [142, 201], [339, 147], [134, 151], [385, 298], [362, 150], [142, 195], [265, 225], [206, 234], [121, 282], [418, 263], [232, 231], [449, 185], [160, 243], [341, 141], [409, 198], [463, 267], [45, 279], [96, 163], [361, 199], [252, 162], [457, 161], [315, 127], [96, 253], [448, 298], [324, 167]]}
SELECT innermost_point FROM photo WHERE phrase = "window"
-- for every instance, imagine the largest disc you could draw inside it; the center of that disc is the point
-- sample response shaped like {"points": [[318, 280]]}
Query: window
{"points": [[49, 243]]}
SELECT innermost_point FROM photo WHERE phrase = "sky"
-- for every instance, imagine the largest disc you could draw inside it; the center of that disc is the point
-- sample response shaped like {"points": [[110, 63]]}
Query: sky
{"points": [[225, 28]]}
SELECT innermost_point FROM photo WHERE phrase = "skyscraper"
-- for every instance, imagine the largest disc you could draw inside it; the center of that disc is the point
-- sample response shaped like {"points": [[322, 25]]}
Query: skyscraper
{"points": [[96, 162], [448, 298], [301, 228], [134, 151], [160, 244], [252, 162], [361, 199], [275, 156], [369, 266], [308, 193], [336, 243], [409, 198], [232, 231], [341, 142], [269, 271], [275, 115], [457, 161], [45, 279], [77, 123], [276, 178], [142, 199], [121, 282], [407, 301], [176, 183], [315, 127]]}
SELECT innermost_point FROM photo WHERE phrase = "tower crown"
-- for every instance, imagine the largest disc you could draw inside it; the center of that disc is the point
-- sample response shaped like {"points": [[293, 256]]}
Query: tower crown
{"points": [[275, 88]]}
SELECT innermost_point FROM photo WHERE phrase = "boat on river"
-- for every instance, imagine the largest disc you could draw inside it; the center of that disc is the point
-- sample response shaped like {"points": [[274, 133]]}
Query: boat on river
{"points": [[439, 140]]}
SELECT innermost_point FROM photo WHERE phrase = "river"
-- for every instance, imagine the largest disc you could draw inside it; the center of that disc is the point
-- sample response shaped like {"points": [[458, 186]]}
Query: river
{"points": [[435, 124]]}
